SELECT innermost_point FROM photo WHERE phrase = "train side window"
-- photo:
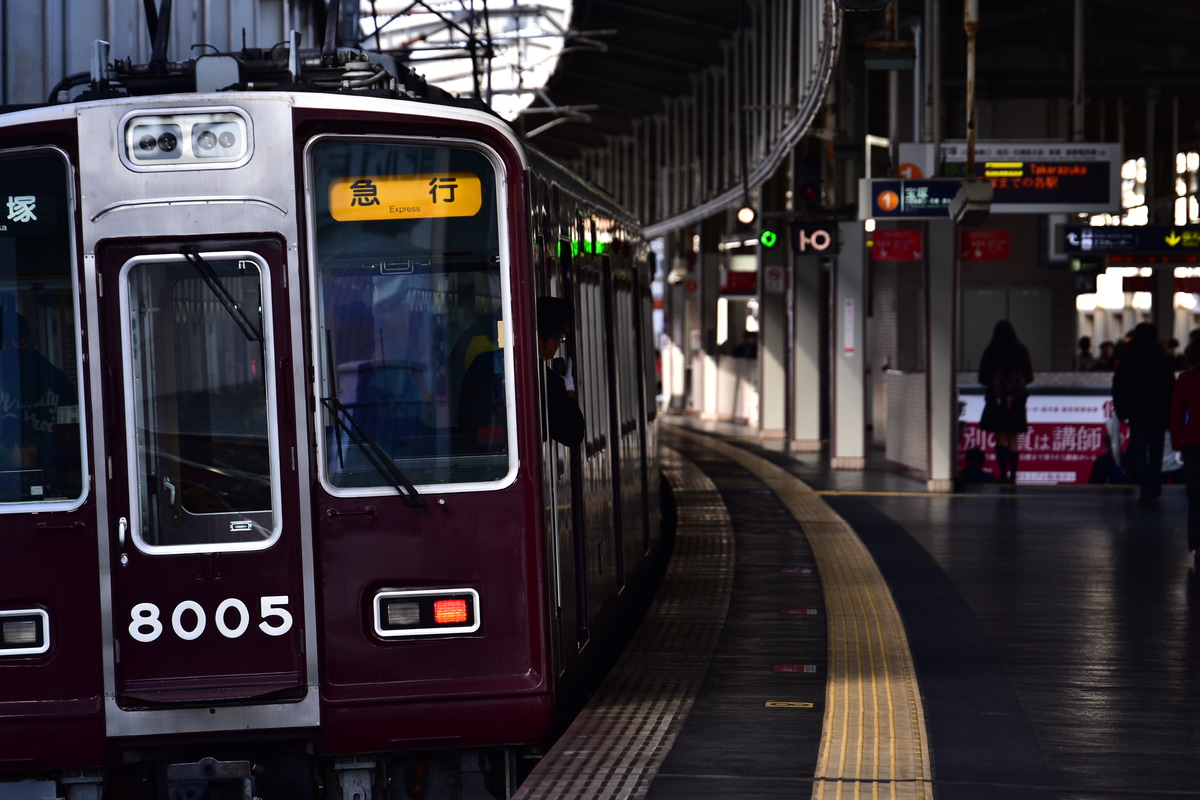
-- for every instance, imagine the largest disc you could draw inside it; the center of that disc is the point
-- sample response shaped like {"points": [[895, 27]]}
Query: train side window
{"points": [[41, 436], [412, 303]]}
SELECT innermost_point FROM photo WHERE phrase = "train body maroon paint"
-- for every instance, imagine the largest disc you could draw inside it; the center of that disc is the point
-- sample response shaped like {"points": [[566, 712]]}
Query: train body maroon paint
{"points": [[260, 542]]}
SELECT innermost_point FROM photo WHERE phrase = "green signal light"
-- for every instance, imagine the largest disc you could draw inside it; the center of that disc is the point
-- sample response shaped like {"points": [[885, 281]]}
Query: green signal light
{"points": [[768, 238]]}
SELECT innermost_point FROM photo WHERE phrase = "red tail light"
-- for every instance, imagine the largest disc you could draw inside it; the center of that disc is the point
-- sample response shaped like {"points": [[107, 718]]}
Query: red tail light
{"points": [[450, 612]]}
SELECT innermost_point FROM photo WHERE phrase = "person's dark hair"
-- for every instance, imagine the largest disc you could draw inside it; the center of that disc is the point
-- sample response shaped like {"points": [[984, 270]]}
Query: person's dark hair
{"points": [[1191, 353], [1006, 349], [1004, 333], [554, 315], [1144, 333], [975, 457]]}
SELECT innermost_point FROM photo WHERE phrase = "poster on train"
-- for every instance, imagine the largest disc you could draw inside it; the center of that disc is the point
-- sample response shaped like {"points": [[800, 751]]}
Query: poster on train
{"points": [[1067, 434]]}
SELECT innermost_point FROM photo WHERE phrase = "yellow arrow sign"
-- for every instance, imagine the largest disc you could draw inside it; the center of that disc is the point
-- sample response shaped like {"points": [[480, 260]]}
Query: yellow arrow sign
{"points": [[1173, 238]]}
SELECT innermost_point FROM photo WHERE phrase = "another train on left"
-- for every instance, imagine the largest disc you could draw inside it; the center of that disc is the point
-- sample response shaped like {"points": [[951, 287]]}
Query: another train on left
{"points": [[280, 513]]}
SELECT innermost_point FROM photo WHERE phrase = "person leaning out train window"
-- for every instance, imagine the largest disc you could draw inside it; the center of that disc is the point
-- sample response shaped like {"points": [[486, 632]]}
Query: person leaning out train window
{"points": [[554, 316]]}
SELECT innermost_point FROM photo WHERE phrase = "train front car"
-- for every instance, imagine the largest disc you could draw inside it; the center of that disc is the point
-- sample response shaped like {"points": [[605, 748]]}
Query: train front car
{"points": [[263, 541], [427, 505]]}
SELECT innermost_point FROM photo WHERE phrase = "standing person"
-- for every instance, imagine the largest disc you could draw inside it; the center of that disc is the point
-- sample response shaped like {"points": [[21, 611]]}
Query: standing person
{"points": [[554, 316], [1084, 358], [1142, 389], [1005, 370], [1185, 435], [1107, 360]]}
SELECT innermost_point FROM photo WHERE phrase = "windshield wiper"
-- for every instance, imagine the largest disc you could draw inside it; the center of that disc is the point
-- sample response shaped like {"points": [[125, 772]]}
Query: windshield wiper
{"points": [[379, 458], [218, 288]]}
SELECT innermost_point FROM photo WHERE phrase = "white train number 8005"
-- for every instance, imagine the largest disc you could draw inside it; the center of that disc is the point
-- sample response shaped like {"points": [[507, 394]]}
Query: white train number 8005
{"points": [[232, 619]]}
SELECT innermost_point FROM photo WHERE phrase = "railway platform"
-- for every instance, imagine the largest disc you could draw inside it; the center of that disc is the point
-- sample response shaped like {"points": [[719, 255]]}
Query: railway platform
{"points": [[846, 634]]}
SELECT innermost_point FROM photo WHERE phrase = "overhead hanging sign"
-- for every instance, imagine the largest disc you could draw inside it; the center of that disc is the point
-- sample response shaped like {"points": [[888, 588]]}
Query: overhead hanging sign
{"points": [[1030, 177], [820, 239], [983, 245], [1141, 239], [927, 198], [903, 245]]}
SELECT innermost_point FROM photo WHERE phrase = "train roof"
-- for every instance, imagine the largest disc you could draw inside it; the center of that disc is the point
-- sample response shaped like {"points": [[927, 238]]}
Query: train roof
{"points": [[330, 77]]}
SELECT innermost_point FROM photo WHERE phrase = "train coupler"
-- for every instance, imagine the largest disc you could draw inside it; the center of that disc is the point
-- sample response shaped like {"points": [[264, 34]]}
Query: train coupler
{"points": [[209, 779]]}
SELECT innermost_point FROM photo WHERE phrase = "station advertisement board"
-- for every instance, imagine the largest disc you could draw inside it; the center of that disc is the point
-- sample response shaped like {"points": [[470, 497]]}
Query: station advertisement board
{"points": [[1030, 177], [984, 245], [900, 245], [1065, 436]]}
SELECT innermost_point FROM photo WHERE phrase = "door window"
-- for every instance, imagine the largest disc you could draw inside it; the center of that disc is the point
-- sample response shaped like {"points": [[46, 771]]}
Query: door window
{"points": [[201, 394]]}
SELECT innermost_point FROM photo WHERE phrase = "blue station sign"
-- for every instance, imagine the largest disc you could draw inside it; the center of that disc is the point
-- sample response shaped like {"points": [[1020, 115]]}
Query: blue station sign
{"points": [[922, 198], [1141, 240]]}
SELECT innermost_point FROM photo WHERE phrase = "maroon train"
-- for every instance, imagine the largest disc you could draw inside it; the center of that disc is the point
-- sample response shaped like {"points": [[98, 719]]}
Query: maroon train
{"points": [[260, 543]]}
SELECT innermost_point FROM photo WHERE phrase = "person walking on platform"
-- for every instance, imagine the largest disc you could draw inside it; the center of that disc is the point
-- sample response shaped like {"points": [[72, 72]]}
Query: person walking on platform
{"points": [[1185, 436], [1005, 370], [1142, 389]]}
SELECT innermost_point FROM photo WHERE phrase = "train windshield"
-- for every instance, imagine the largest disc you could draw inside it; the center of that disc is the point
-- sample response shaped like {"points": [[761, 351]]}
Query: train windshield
{"points": [[40, 436], [411, 309]]}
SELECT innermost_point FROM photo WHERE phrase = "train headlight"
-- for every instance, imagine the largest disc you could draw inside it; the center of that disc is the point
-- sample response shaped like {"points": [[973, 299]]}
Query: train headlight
{"points": [[24, 632], [401, 613], [424, 613], [158, 142], [219, 138]]}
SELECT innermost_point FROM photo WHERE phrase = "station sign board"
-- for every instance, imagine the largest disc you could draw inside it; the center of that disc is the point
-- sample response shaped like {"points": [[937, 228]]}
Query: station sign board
{"points": [[892, 198], [1030, 177], [1140, 239], [898, 245], [1064, 438], [984, 245], [810, 239]]}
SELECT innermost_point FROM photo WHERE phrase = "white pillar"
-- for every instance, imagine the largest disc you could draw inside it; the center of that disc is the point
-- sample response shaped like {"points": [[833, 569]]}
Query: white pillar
{"points": [[772, 341], [848, 405], [941, 353], [806, 354]]}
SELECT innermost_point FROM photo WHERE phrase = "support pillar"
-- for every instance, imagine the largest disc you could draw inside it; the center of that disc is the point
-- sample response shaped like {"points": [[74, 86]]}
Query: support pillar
{"points": [[674, 357], [848, 446], [708, 263], [806, 354], [772, 342], [941, 354], [1162, 304]]}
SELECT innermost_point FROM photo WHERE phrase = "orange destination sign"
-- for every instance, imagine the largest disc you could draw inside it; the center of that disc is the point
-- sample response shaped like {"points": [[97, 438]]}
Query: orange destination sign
{"points": [[369, 197]]}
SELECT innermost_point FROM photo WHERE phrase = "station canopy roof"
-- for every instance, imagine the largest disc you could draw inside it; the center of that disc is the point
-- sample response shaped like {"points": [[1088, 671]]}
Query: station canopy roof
{"points": [[625, 56]]}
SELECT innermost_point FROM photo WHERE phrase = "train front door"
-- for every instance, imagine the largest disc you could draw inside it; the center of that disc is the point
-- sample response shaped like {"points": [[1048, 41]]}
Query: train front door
{"points": [[210, 613]]}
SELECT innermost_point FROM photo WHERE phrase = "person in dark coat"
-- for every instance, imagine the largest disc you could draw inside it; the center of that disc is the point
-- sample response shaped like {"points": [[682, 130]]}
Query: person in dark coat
{"points": [[1185, 436], [1005, 370], [1141, 387], [565, 420]]}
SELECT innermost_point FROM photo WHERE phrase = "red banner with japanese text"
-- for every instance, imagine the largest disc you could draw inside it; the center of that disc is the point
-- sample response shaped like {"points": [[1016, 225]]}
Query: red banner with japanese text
{"points": [[1067, 433]]}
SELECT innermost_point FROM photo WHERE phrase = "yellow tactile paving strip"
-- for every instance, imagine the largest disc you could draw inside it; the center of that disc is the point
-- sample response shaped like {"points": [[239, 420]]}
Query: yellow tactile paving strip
{"points": [[873, 740], [615, 746]]}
